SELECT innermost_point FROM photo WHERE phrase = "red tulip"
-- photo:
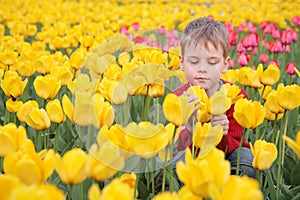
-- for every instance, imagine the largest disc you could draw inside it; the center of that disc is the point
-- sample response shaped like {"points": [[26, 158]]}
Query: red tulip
{"points": [[233, 37], [296, 20], [263, 58], [243, 59], [290, 68], [268, 28]]}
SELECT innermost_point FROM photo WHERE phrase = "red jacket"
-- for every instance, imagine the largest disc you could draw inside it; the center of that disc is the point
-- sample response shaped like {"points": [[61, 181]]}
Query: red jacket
{"points": [[229, 142]]}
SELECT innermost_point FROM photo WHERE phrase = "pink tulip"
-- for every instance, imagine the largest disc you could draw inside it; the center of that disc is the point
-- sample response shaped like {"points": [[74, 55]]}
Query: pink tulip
{"points": [[275, 33], [290, 68], [240, 48], [286, 37], [243, 59], [296, 20], [274, 62], [124, 30], [263, 58], [251, 28], [161, 30], [231, 63], [288, 48], [136, 26], [138, 39], [276, 47], [250, 40]]}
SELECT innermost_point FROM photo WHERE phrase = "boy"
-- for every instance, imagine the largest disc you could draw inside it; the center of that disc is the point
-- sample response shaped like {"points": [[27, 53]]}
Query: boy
{"points": [[204, 57]]}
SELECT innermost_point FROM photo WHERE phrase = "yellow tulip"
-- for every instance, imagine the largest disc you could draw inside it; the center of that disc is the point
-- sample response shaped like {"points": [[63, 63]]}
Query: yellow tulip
{"points": [[38, 119], [129, 179], [76, 59], [272, 103], [8, 57], [87, 41], [231, 75], [68, 107], [206, 137], [114, 91], [249, 77], [84, 109], [11, 138], [155, 55], [232, 92], [248, 113], [123, 58], [116, 189], [288, 96], [55, 111], [265, 91], [26, 109], [269, 76], [219, 103], [242, 188], [204, 175], [13, 105], [12, 84], [186, 194], [176, 109], [44, 64], [29, 166], [204, 107], [104, 111], [146, 139], [44, 191], [62, 74], [264, 153], [98, 64], [156, 90], [47, 86], [272, 116], [67, 171], [26, 68], [104, 162], [294, 145], [9, 184], [166, 196]]}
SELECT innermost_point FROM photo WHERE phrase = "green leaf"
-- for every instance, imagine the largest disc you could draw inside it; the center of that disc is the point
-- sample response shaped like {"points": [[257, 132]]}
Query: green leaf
{"points": [[271, 187], [295, 175]]}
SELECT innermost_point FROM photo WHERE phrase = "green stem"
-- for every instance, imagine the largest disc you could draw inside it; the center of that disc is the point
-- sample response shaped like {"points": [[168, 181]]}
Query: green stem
{"points": [[274, 129], [171, 159], [157, 110], [152, 175], [81, 191], [1, 164], [70, 192], [45, 139], [164, 171], [39, 138], [265, 130], [281, 153], [239, 155], [146, 106], [136, 186], [56, 136]]}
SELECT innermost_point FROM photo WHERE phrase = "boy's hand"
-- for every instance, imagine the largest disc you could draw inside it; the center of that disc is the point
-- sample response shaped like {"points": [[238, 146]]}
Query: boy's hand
{"points": [[222, 120]]}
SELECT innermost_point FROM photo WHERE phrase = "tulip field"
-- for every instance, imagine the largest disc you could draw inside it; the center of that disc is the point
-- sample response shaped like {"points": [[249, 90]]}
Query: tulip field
{"points": [[87, 109]]}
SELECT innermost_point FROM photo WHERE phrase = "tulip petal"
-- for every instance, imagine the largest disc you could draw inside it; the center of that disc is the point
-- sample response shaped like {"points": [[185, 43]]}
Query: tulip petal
{"points": [[28, 171]]}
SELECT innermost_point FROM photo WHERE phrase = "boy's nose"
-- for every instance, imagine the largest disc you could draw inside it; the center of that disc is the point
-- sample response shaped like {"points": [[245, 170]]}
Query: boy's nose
{"points": [[200, 68]]}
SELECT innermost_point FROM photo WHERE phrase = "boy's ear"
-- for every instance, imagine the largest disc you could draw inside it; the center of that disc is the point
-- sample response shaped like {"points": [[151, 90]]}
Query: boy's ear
{"points": [[226, 64], [181, 64]]}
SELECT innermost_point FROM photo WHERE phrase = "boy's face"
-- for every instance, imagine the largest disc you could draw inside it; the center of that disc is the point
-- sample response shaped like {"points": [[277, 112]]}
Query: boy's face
{"points": [[204, 67]]}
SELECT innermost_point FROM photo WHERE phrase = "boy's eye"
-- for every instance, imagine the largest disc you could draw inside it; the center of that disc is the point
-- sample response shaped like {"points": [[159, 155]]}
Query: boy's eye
{"points": [[212, 63], [194, 62]]}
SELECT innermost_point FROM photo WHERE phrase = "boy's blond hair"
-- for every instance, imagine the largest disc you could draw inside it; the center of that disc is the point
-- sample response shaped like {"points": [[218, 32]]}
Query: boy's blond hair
{"points": [[204, 30]]}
